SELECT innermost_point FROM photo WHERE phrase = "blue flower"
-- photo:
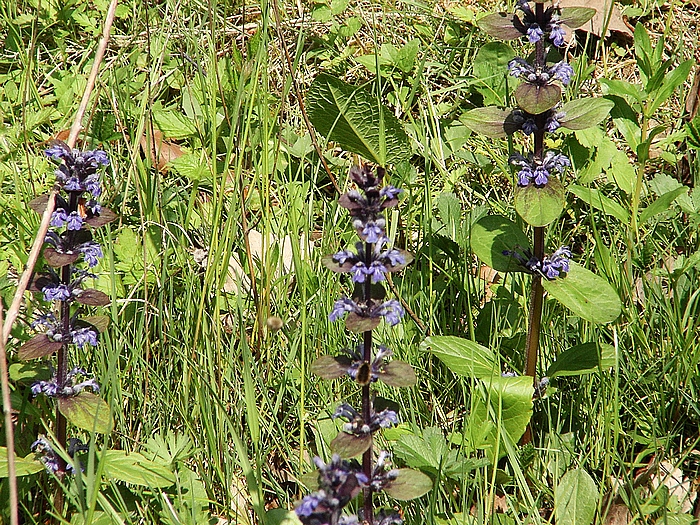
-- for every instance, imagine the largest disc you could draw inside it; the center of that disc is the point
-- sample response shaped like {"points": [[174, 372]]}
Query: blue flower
{"points": [[84, 336], [534, 33], [538, 171], [74, 221], [389, 192], [341, 307], [556, 32], [58, 218], [92, 252], [56, 292], [557, 263]]}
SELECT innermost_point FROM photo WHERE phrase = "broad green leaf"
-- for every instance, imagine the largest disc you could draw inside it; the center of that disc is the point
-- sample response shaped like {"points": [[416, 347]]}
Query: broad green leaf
{"points": [[574, 17], [29, 372], [626, 121], [87, 411], [427, 451], [622, 171], [490, 66], [582, 359], [585, 113], [494, 234], [539, 206], [410, 484], [135, 469], [661, 204], [537, 99], [463, 357], [25, 466], [191, 166], [353, 118], [575, 498], [597, 200], [671, 81], [489, 121], [281, 517], [624, 89], [499, 25], [507, 402], [97, 518], [174, 125], [642, 49], [586, 294]]}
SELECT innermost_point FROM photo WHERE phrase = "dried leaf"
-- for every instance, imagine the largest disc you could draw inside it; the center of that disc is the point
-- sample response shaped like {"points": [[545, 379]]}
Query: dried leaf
{"points": [[91, 297], [398, 374], [349, 446], [603, 11], [329, 367], [38, 346], [161, 152], [58, 260]]}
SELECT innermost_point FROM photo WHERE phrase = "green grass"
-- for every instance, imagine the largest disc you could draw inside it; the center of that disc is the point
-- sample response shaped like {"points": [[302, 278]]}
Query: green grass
{"points": [[184, 358]]}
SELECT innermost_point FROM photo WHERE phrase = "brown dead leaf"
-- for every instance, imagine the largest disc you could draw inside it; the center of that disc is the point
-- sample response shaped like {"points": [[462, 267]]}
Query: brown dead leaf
{"points": [[692, 102], [618, 515], [602, 7], [162, 152]]}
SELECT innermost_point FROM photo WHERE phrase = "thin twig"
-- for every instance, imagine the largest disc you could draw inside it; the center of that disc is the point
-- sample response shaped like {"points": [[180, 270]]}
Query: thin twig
{"points": [[300, 98], [9, 432], [38, 243]]}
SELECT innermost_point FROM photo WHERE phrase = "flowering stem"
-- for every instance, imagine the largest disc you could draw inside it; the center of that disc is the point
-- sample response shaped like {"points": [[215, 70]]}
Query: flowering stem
{"points": [[367, 466]]}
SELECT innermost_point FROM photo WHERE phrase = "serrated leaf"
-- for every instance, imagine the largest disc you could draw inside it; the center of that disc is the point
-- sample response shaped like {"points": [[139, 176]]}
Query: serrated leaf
{"points": [[349, 446], [398, 374], [427, 451], [490, 67], [174, 125], [87, 411], [494, 234], [410, 484], [507, 402], [463, 357], [329, 367], [575, 498], [540, 205], [596, 199], [576, 16], [582, 359], [135, 469], [500, 25], [537, 99], [585, 113], [38, 346], [586, 294], [58, 260], [353, 118], [25, 466], [92, 297], [489, 121]]}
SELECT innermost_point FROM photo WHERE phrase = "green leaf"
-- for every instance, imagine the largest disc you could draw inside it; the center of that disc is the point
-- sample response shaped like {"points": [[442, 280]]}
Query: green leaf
{"points": [[507, 402], [135, 469], [191, 166], [586, 294], [539, 206], [499, 25], [597, 200], [29, 372], [642, 49], [281, 517], [671, 81], [622, 171], [410, 484], [537, 99], [493, 234], [585, 113], [173, 124], [661, 204], [582, 359], [489, 121], [575, 498], [624, 89], [489, 67], [87, 411], [25, 466], [574, 17], [426, 451], [463, 357], [353, 118]]}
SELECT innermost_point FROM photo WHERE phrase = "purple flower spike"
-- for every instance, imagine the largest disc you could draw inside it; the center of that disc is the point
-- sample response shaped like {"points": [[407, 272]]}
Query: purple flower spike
{"points": [[56, 292], [92, 252], [341, 308], [556, 33], [84, 336], [58, 218], [74, 221]]}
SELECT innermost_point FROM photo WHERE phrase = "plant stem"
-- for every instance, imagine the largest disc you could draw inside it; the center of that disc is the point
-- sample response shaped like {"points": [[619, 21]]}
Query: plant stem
{"points": [[367, 466]]}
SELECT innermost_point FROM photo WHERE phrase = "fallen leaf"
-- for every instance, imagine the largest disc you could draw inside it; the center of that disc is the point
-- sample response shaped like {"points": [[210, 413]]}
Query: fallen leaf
{"points": [[602, 7], [161, 152]]}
